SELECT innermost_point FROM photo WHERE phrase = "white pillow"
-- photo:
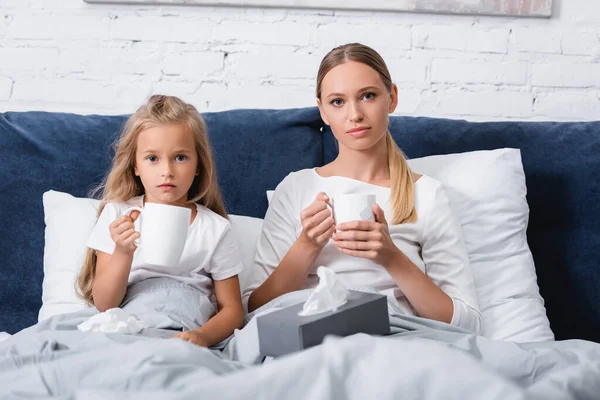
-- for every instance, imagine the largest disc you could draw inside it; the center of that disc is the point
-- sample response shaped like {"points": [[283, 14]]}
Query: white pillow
{"points": [[487, 191], [69, 222], [4, 336], [247, 232]]}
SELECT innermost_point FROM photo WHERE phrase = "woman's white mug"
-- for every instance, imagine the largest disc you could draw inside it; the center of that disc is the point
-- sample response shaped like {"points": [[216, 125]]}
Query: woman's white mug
{"points": [[353, 207], [163, 231]]}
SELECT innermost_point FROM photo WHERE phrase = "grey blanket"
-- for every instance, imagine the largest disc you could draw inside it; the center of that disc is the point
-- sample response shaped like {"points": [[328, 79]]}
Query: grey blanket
{"points": [[422, 359]]}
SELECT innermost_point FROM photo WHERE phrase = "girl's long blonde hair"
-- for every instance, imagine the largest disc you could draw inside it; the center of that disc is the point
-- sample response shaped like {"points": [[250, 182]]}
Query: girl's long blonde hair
{"points": [[401, 178], [121, 183]]}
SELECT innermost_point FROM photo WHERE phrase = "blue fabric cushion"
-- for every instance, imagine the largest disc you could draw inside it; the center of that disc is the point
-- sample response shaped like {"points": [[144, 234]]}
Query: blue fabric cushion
{"points": [[38, 152], [561, 162], [254, 150]]}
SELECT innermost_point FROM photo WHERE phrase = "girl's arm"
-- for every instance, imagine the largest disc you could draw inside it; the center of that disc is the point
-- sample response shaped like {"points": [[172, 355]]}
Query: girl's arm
{"points": [[229, 317], [112, 270], [110, 281]]}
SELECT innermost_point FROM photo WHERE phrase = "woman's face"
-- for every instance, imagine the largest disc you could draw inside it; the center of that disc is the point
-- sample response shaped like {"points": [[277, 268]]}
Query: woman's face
{"points": [[356, 105]]}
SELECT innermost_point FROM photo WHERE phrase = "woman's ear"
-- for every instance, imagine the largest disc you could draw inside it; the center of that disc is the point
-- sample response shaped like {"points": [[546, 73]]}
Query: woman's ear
{"points": [[135, 171], [393, 98], [323, 117]]}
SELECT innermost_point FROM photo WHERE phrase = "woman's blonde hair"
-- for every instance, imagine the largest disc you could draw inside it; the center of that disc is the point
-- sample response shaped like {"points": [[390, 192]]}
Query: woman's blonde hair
{"points": [[401, 178], [121, 183]]}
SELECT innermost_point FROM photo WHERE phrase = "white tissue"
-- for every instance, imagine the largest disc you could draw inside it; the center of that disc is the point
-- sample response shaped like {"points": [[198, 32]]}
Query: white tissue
{"points": [[329, 294], [113, 320]]}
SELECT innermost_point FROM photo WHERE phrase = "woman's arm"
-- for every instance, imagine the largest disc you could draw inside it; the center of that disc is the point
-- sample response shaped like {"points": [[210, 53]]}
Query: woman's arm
{"points": [[426, 298], [447, 292], [447, 263], [293, 269], [372, 240], [229, 317], [289, 275]]}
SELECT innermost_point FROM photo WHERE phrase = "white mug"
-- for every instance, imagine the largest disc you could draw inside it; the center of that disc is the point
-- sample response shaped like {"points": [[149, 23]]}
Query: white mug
{"points": [[163, 231], [353, 207]]}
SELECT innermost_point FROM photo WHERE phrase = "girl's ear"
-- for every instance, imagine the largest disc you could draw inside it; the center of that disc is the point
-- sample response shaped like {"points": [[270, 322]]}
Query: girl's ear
{"points": [[393, 98], [135, 171], [323, 117]]}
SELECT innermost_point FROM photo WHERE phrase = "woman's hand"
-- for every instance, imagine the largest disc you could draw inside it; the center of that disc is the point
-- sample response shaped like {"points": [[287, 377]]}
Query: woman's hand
{"points": [[367, 239], [123, 233], [192, 337], [317, 222]]}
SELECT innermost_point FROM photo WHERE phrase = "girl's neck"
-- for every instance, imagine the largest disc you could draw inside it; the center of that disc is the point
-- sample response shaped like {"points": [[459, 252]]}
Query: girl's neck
{"points": [[370, 166], [148, 199]]}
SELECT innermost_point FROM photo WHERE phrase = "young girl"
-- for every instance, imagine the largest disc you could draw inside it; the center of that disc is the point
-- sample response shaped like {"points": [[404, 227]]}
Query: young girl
{"points": [[163, 156], [418, 259]]}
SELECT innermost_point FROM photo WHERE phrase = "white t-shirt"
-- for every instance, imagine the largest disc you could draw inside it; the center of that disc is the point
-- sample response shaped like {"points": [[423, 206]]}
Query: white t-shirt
{"points": [[210, 251], [434, 243]]}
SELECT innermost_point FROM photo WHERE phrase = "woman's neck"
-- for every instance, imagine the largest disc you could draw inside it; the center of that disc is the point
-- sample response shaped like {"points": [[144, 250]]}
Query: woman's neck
{"points": [[369, 165]]}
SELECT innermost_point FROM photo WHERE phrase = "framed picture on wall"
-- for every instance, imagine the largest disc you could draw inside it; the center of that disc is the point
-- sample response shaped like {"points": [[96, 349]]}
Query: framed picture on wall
{"points": [[529, 8]]}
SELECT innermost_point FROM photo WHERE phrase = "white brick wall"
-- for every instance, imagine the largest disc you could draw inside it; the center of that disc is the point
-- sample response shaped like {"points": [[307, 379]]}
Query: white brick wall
{"points": [[454, 71], [538, 40], [67, 55], [566, 74], [57, 27], [5, 88], [461, 38], [368, 31], [176, 28], [581, 43], [567, 104]]}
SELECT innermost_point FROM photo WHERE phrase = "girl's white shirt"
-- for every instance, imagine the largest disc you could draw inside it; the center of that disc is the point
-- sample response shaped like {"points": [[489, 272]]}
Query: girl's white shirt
{"points": [[210, 251]]}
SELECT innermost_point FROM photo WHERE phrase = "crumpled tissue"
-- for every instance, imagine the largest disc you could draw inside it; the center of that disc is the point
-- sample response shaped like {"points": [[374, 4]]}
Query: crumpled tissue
{"points": [[329, 295], [113, 320]]}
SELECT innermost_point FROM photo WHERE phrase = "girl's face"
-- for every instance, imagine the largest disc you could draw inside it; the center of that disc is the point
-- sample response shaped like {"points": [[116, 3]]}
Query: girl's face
{"points": [[356, 105], [167, 163]]}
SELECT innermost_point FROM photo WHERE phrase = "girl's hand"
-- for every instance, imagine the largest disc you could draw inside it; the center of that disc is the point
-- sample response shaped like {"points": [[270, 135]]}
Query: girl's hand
{"points": [[123, 233], [192, 337], [317, 222], [368, 239]]}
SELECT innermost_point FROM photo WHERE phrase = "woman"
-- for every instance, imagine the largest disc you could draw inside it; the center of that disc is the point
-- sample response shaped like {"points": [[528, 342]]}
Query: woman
{"points": [[418, 258]]}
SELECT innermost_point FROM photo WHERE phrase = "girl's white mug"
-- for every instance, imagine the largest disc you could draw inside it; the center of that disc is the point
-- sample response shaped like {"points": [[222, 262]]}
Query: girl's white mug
{"points": [[163, 231]]}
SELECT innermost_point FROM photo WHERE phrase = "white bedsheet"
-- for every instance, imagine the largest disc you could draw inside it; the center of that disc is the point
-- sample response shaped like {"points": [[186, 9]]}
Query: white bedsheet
{"points": [[4, 336]]}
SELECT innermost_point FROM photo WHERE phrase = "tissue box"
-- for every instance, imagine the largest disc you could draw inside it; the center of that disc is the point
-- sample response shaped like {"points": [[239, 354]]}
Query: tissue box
{"points": [[284, 331]]}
